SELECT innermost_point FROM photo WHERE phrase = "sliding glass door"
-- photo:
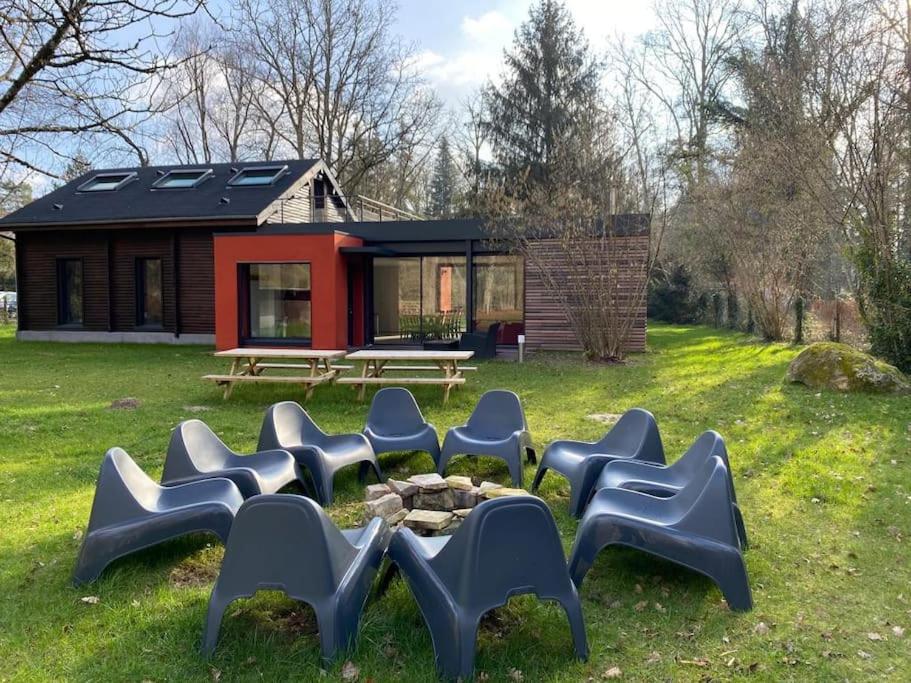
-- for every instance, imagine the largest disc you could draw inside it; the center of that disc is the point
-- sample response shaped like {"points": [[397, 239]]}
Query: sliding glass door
{"points": [[499, 295], [417, 298]]}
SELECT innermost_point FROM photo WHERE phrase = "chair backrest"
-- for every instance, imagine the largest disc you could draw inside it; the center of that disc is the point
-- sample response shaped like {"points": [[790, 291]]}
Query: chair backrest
{"points": [[704, 506], [194, 441], [636, 432], [497, 415], [504, 547], [123, 491], [285, 542], [287, 425], [394, 411], [708, 444]]}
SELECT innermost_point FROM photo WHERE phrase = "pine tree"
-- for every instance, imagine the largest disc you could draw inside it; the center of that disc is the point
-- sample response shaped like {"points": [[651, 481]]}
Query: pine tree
{"points": [[443, 183], [549, 91]]}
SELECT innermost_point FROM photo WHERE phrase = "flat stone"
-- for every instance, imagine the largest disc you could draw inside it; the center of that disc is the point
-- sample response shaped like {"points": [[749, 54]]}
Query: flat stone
{"points": [[397, 517], [503, 491], [465, 499], [460, 483], [429, 482], [375, 491], [462, 512], [428, 519], [487, 485], [384, 506], [438, 500], [403, 488]]}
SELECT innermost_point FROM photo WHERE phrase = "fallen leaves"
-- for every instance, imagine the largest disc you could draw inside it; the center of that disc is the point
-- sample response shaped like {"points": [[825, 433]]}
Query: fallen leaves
{"points": [[90, 599], [641, 605], [350, 672], [613, 672], [761, 628], [874, 636], [898, 631]]}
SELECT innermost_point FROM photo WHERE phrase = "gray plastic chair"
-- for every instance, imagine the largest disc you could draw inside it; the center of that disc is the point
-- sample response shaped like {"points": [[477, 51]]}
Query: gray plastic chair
{"points": [[694, 528], [634, 437], [195, 452], [497, 427], [288, 426], [665, 481], [131, 512], [395, 423], [505, 547], [288, 543]]}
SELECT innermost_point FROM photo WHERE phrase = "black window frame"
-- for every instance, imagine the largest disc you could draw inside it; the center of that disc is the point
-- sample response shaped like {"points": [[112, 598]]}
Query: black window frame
{"points": [[245, 333], [141, 292], [62, 291]]}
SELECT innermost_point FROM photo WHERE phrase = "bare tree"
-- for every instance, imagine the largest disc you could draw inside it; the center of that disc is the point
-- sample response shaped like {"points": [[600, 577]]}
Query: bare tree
{"points": [[77, 68]]}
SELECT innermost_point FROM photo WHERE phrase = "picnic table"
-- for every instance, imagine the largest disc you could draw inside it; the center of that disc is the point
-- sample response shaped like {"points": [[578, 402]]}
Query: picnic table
{"points": [[250, 365], [376, 363]]}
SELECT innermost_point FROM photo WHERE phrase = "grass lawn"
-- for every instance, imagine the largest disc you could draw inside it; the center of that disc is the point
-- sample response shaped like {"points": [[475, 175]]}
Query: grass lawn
{"points": [[823, 481]]}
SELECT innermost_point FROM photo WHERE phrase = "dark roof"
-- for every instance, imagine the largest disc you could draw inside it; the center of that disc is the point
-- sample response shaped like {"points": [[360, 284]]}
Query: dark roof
{"points": [[438, 230], [138, 201]]}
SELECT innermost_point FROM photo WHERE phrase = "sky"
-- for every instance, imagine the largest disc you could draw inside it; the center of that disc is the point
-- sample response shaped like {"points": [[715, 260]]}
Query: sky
{"points": [[459, 43]]}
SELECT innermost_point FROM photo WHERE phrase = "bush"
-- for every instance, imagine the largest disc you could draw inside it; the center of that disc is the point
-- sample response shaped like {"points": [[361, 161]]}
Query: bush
{"points": [[670, 296], [886, 307]]}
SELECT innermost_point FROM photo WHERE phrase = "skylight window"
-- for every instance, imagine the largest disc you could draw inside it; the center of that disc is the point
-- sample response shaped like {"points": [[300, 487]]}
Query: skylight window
{"points": [[257, 176], [106, 182], [182, 179]]}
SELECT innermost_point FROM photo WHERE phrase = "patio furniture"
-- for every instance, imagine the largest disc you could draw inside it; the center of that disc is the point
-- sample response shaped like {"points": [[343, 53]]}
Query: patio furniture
{"points": [[496, 427], [313, 366], [694, 528], [484, 344], [505, 547], [131, 512], [288, 426], [288, 543], [634, 437], [395, 423], [375, 363], [195, 452], [665, 481]]}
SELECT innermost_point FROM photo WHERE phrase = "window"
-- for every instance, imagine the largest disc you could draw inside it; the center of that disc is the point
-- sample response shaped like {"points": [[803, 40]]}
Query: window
{"points": [[499, 295], [106, 182], [256, 176], [183, 179], [278, 301], [69, 291], [149, 304]]}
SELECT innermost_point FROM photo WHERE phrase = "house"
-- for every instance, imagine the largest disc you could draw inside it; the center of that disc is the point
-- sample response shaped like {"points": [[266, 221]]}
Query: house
{"points": [[269, 253]]}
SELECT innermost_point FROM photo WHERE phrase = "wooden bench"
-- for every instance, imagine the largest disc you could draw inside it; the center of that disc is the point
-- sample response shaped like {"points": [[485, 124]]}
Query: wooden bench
{"points": [[375, 363], [425, 368], [439, 381]]}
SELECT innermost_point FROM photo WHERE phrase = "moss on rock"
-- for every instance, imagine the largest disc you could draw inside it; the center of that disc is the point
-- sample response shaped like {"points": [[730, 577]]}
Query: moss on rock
{"points": [[828, 365]]}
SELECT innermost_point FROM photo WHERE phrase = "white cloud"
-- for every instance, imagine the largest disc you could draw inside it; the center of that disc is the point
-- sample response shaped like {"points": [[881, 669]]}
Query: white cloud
{"points": [[490, 25]]}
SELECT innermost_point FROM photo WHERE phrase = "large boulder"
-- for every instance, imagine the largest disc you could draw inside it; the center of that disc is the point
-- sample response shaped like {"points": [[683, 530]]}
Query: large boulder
{"points": [[828, 365]]}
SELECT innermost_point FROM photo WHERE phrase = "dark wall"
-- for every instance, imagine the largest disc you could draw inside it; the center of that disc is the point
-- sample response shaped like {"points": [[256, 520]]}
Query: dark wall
{"points": [[109, 273]]}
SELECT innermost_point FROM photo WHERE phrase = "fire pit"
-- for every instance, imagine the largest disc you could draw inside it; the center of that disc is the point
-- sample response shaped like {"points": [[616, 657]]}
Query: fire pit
{"points": [[429, 504]]}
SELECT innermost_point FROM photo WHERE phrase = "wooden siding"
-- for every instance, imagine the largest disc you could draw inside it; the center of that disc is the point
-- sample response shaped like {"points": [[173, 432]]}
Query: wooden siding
{"points": [[110, 256], [546, 326], [39, 254]]}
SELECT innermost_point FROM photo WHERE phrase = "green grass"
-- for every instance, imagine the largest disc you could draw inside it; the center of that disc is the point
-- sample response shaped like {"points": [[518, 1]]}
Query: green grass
{"points": [[823, 480]]}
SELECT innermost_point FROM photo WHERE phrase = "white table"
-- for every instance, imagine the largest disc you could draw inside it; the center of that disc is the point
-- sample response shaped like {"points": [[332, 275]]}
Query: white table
{"points": [[376, 363], [251, 364]]}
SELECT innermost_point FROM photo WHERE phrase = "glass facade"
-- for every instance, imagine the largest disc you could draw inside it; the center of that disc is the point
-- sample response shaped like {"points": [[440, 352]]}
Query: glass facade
{"points": [[499, 295], [418, 298], [279, 301], [150, 308]]}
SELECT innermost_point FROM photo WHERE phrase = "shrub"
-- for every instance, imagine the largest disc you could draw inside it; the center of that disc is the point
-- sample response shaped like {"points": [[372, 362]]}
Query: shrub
{"points": [[670, 296], [885, 305]]}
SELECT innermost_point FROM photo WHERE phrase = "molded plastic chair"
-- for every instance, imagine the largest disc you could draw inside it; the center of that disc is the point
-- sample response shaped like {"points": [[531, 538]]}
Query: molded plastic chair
{"points": [[496, 427], [131, 512], [288, 543], [484, 344], [634, 437], [286, 425], [694, 528], [665, 481], [195, 452], [505, 547], [395, 423]]}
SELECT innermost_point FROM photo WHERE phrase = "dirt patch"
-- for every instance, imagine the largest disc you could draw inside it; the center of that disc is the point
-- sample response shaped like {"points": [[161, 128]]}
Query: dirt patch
{"points": [[127, 403], [603, 418], [194, 573], [196, 409]]}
